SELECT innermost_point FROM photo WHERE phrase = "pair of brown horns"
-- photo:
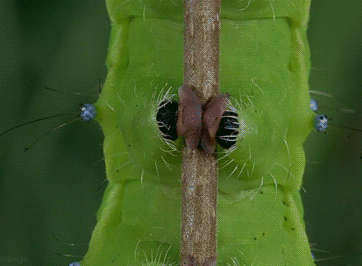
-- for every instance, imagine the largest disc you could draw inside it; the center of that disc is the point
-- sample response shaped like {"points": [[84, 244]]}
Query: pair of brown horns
{"points": [[199, 123]]}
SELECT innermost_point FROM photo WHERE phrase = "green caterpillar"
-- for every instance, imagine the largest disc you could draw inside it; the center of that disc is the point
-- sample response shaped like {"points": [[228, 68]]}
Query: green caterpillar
{"points": [[264, 66]]}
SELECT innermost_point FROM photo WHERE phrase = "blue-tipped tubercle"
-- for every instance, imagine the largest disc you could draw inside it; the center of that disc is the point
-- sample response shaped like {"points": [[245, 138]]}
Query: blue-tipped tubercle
{"points": [[87, 112], [321, 123], [313, 105]]}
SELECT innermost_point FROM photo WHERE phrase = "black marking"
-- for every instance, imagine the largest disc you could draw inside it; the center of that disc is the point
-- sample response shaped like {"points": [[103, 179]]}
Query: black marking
{"points": [[228, 131], [167, 119]]}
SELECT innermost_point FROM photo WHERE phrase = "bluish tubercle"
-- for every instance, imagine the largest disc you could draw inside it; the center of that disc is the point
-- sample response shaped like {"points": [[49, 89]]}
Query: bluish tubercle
{"points": [[87, 112], [321, 123], [313, 105], [74, 264]]}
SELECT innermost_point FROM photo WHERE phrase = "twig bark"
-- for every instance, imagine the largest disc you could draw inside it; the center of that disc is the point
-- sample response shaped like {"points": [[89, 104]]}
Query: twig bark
{"points": [[199, 177]]}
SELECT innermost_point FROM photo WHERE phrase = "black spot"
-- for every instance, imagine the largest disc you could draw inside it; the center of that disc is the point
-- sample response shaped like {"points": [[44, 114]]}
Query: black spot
{"points": [[167, 119], [228, 130], [254, 238], [293, 228], [263, 233], [285, 218]]}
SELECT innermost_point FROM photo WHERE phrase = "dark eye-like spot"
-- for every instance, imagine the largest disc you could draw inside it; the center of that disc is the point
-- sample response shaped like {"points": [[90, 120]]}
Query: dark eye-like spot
{"points": [[167, 119], [228, 131]]}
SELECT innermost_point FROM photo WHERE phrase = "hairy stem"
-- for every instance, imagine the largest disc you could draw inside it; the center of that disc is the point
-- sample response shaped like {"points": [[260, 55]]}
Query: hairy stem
{"points": [[199, 169]]}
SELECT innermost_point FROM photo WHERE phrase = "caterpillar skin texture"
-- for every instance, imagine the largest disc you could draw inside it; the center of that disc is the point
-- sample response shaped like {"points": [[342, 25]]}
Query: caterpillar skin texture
{"points": [[264, 66]]}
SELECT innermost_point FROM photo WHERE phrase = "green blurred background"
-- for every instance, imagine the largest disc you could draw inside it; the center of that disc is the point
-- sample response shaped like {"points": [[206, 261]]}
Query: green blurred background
{"points": [[50, 194]]}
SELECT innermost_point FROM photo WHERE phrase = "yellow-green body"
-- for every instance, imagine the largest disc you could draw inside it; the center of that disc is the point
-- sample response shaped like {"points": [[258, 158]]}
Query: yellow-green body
{"points": [[264, 66]]}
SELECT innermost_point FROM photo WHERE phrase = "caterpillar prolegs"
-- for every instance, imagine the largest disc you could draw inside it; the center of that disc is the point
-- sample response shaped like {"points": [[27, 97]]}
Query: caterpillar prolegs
{"points": [[264, 66]]}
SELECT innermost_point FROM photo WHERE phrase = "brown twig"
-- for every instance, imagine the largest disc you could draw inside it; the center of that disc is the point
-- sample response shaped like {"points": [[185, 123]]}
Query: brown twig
{"points": [[199, 177]]}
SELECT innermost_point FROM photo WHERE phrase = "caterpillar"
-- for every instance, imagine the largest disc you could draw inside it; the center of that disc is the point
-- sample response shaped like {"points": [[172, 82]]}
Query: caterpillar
{"points": [[267, 78], [42, 177], [259, 207]]}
